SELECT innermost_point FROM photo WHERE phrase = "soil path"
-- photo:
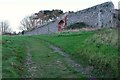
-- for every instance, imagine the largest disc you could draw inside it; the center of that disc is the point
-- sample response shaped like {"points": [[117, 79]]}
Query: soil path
{"points": [[77, 67], [29, 65]]}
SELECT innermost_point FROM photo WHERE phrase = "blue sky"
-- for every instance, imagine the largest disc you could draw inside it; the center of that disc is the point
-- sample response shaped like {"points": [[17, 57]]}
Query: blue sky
{"points": [[15, 10]]}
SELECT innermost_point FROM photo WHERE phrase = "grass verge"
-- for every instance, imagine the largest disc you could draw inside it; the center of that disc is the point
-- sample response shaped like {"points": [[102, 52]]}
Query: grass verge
{"points": [[13, 53]]}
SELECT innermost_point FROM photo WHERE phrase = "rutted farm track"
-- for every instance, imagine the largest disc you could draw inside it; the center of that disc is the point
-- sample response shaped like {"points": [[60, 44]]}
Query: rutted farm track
{"points": [[60, 64], [77, 67]]}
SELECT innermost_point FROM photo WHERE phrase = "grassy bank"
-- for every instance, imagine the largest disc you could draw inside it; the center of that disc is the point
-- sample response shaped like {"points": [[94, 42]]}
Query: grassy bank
{"points": [[13, 53], [95, 48]]}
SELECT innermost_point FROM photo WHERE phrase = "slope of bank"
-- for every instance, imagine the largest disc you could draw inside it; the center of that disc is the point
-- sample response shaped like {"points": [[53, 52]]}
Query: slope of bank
{"points": [[97, 48]]}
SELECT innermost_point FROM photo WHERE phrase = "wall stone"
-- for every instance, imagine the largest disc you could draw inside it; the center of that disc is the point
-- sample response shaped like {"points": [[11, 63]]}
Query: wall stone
{"points": [[97, 16]]}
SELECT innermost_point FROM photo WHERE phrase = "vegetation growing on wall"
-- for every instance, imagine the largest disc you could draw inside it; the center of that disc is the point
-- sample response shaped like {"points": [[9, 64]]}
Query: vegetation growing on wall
{"points": [[77, 25]]}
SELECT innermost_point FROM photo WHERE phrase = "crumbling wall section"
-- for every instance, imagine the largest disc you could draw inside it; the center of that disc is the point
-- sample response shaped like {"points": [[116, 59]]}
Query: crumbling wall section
{"points": [[97, 16]]}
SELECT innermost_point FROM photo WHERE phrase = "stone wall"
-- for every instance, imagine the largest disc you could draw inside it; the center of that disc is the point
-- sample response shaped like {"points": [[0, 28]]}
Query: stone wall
{"points": [[97, 16], [45, 29]]}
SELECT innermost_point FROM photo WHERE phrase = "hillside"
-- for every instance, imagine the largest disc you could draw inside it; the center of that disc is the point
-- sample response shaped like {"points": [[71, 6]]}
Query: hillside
{"points": [[95, 48], [67, 54]]}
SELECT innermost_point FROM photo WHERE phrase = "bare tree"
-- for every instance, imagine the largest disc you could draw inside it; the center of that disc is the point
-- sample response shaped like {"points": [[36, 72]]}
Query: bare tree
{"points": [[4, 27], [27, 23], [40, 18]]}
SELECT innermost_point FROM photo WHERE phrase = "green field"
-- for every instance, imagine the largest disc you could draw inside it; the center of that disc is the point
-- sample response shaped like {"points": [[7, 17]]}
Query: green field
{"points": [[98, 49]]}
